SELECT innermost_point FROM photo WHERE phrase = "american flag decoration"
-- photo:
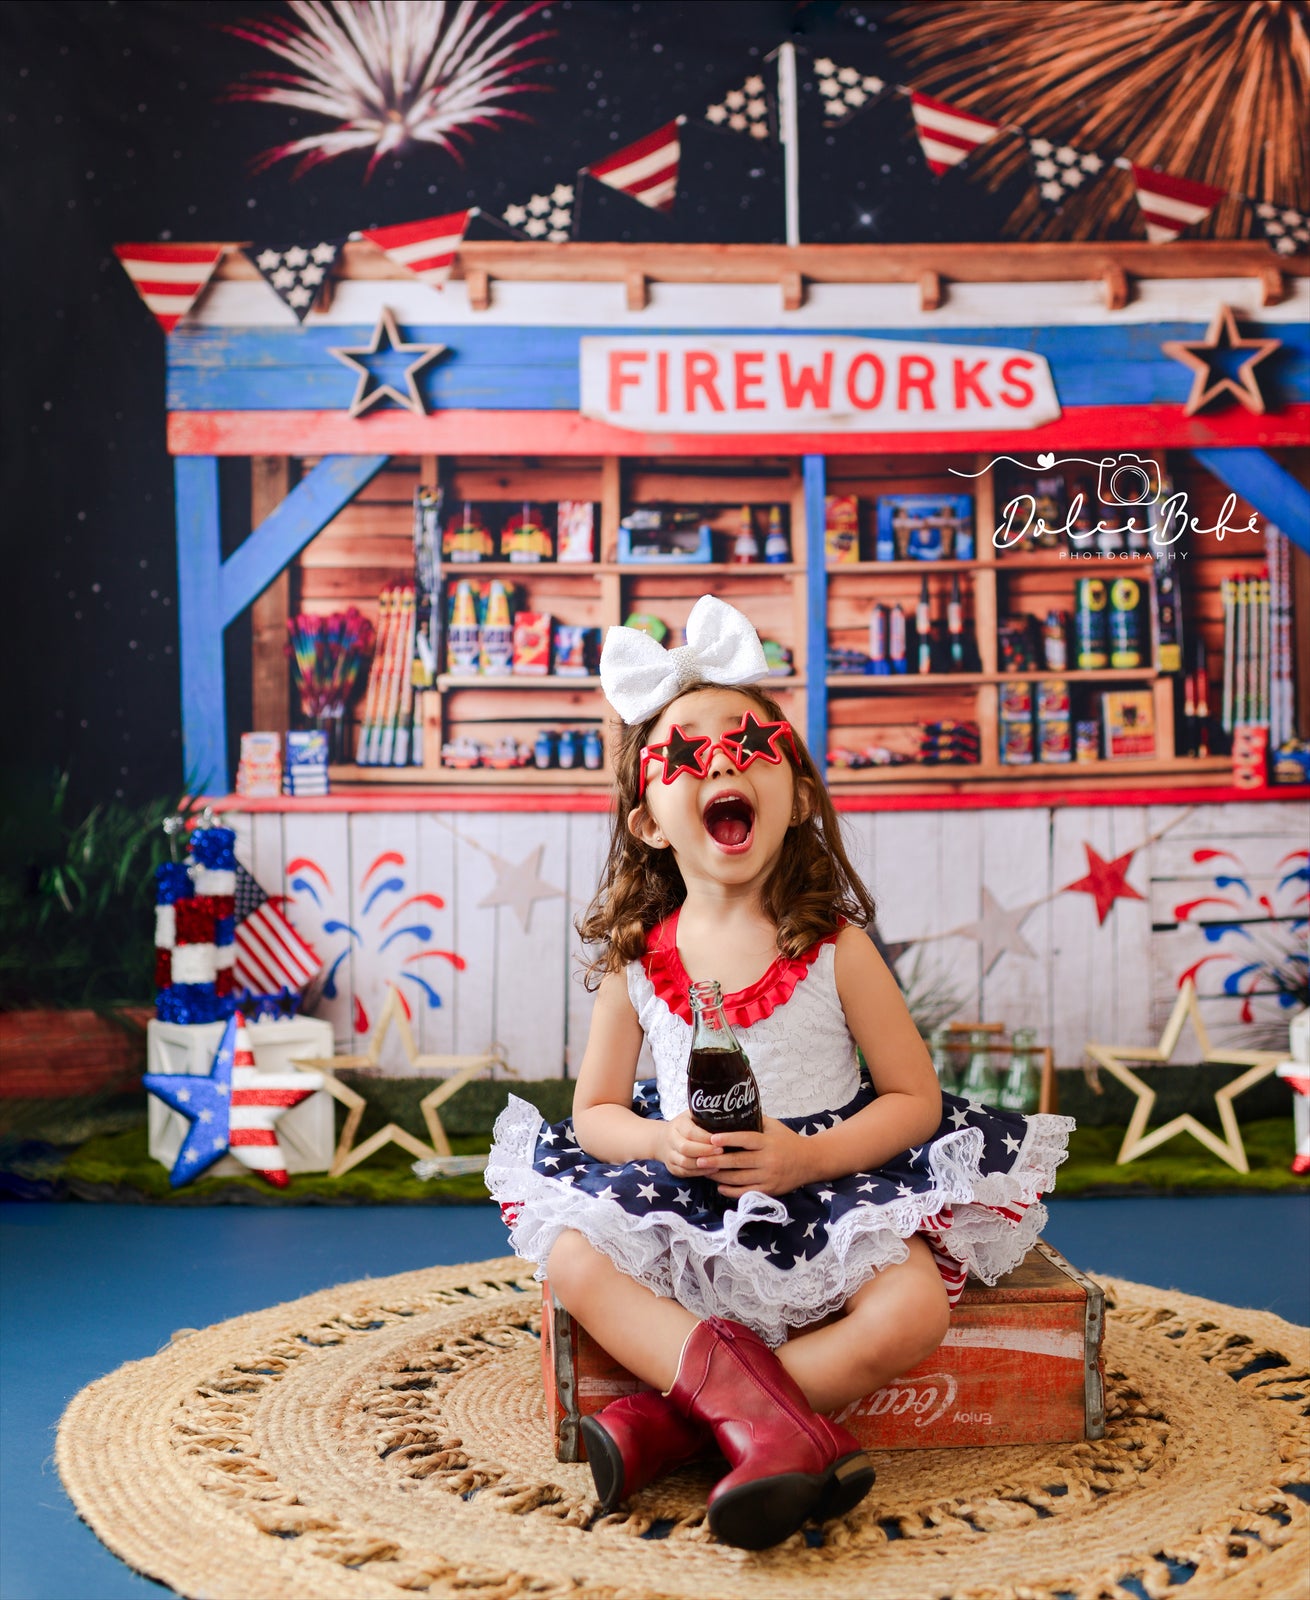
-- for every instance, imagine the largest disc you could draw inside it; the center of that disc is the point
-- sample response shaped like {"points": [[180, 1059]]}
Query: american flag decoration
{"points": [[844, 90], [427, 248], [232, 1108], [743, 110], [544, 216], [169, 277], [1059, 170], [947, 134], [648, 169], [296, 273], [1287, 229], [269, 954], [1171, 205]]}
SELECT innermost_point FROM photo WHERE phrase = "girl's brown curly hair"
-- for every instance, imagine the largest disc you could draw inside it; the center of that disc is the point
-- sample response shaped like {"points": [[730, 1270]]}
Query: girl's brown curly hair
{"points": [[813, 887]]}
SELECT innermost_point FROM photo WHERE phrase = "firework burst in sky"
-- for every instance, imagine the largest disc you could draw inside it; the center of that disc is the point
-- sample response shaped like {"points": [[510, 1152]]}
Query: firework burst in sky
{"points": [[391, 73], [1207, 89]]}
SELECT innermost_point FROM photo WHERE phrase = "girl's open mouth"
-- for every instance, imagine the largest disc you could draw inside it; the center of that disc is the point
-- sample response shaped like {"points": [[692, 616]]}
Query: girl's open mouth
{"points": [[730, 821]]}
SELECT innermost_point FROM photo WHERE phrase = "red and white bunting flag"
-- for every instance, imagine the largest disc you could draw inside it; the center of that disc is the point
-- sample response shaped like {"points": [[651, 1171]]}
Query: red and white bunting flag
{"points": [[1170, 205], [646, 170], [947, 134], [169, 277], [427, 248], [258, 1100]]}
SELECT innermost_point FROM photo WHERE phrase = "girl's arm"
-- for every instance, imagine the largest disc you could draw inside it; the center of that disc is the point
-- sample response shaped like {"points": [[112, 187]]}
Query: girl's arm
{"points": [[607, 1127], [907, 1111]]}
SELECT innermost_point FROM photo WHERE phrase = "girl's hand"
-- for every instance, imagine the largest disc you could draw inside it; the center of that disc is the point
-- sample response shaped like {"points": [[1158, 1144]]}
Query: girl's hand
{"points": [[774, 1162], [684, 1145]]}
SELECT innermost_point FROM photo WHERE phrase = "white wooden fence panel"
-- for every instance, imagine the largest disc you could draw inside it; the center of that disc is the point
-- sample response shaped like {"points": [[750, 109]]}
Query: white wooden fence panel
{"points": [[928, 882], [1204, 900], [477, 833], [1212, 825], [383, 857], [1265, 855], [320, 906], [267, 855], [531, 963], [588, 837], [1016, 869], [436, 876]]}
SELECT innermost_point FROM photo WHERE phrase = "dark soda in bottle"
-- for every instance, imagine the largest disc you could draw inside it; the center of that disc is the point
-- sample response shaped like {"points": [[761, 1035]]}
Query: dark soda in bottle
{"points": [[722, 1094]]}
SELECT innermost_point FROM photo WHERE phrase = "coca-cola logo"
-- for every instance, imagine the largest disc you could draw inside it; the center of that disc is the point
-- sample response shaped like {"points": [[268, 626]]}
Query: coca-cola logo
{"points": [[740, 1097], [927, 1398]]}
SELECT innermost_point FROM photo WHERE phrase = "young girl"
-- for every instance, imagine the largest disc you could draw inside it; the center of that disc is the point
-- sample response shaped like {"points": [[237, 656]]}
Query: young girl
{"points": [[755, 1281]]}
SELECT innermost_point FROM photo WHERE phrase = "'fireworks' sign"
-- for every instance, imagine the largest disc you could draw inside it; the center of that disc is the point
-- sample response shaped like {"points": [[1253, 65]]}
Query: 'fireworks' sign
{"points": [[784, 384]]}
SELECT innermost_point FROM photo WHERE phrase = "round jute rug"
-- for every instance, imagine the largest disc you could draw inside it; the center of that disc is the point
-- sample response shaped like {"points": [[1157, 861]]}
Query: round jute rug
{"points": [[387, 1438]]}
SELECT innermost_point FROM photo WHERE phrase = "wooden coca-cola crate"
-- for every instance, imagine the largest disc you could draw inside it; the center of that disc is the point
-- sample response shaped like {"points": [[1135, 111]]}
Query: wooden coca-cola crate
{"points": [[1020, 1364]]}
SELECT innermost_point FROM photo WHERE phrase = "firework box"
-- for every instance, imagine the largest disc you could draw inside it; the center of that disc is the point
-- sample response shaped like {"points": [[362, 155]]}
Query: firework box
{"points": [[1128, 724], [1020, 1364], [306, 1132]]}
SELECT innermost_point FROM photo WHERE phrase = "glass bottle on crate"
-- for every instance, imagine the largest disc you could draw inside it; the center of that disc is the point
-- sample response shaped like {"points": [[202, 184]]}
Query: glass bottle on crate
{"points": [[942, 1064], [1022, 1088], [722, 1094], [979, 1083]]}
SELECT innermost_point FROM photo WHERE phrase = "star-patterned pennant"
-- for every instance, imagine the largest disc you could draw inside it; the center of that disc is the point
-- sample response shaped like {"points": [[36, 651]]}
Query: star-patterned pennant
{"points": [[545, 216], [296, 273], [1059, 170], [844, 90], [745, 109], [1287, 229]]}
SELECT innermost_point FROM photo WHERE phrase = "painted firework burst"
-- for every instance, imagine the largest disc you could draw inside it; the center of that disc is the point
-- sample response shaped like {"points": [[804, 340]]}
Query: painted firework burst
{"points": [[391, 73], [1208, 89]]}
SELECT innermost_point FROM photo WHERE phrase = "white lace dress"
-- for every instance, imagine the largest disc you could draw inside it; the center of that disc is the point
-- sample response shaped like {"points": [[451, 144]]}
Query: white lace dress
{"points": [[777, 1263]]}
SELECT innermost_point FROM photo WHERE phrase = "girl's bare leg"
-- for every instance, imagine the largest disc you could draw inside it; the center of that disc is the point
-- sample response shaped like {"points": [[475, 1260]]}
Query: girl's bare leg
{"points": [[897, 1318], [642, 1330]]}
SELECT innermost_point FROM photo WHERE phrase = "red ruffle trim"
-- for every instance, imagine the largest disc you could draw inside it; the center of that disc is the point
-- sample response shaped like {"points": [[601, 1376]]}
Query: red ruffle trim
{"points": [[663, 966]]}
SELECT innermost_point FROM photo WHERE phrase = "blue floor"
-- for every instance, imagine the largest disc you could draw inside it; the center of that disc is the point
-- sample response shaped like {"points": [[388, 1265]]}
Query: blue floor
{"points": [[86, 1288]]}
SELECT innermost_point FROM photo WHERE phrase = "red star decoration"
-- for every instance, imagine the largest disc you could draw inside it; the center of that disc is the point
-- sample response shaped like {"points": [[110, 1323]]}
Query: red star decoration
{"points": [[1105, 881], [754, 739]]}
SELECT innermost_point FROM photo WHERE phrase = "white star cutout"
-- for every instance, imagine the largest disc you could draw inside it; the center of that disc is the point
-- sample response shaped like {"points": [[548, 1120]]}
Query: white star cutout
{"points": [[1040, 147], [516, 216], [716, 114], [759, 131], [734, 101], [1067, 155], [539, 205], [562, 194], [560, 219], [737, 122], [855, 96], [754, 86], [1011, 1143], [534, 227], [206, 1116], [296, 257], [848, 75], [1073, 177], [283, 278], [184, 1095], [1090, 162], [756, 108], [960, 1116], [299, 296], [824, 67], [1052, 191], [267, 260], [312, 275], [324, 254], [1045, 169]]}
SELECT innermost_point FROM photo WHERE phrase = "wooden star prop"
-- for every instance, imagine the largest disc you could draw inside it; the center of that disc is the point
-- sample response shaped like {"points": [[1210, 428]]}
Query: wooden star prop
{"points": [[386, 341], [1106, 882], [1204, 357], [519, 885], [1137, 1141], [461, 1070]]}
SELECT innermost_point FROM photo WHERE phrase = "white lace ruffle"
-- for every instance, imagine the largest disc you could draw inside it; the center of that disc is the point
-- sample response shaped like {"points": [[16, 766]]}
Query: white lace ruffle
{"points": [[713, 1273]]}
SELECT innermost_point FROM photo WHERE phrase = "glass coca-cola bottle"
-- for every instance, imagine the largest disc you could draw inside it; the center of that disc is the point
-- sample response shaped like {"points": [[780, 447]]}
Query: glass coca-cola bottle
{"points": [[722, 1094]]}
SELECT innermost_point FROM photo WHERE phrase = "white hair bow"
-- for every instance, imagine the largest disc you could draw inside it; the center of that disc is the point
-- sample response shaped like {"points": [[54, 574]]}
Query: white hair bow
{"points": [[639, 676]]}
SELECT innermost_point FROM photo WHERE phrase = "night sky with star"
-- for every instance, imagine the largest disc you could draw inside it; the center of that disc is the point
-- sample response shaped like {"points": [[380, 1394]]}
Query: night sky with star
{"points": [[117, 127]]}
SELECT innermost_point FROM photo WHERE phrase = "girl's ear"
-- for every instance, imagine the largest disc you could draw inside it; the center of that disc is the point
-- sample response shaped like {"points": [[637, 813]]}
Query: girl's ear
{"points": [[802, 808], [641, 825]]}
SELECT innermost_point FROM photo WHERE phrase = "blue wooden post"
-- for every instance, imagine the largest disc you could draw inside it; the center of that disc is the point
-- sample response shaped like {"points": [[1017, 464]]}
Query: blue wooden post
{"points": [[200, 625], [815, 480], [212, 592], [1272, 490]]}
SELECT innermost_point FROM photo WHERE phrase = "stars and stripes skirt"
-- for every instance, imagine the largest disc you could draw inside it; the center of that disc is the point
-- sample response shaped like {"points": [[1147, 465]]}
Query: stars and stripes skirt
{"points": [[780, 1263]]}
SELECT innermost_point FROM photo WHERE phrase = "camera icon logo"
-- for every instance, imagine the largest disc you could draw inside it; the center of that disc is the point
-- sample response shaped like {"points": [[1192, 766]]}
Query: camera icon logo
{"points": [[1129, 481]]}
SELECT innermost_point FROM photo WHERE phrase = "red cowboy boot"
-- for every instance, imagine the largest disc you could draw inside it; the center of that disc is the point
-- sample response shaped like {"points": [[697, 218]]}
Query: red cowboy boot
{"points": [[637, 1439], [788, 1462]]}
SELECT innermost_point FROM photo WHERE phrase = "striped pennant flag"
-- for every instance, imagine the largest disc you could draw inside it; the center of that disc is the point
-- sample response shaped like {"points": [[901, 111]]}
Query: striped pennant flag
{"points": [[169, 277], [427, 248], [258, 1100], [646, 170], [1170, 205], [270, 954], [947, 134]]}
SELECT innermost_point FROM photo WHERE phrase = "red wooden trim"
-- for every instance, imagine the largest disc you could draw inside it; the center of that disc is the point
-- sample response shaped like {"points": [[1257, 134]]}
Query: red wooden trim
{"points": [[419, 800], [564, 433]]}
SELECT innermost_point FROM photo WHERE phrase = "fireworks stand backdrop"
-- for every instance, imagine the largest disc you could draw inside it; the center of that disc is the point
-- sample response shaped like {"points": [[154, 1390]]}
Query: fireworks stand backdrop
{"points": [[821, 316]]}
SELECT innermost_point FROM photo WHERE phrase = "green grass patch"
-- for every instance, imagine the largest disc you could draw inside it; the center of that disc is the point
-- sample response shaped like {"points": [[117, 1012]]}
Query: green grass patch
{"points": [[1182, 1166]]}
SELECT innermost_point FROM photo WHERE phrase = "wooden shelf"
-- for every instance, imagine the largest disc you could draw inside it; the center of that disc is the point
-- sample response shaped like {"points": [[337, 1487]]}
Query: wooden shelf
{"points": [[1052, 561], [894, 569], [446, 681], [873, 681], [914, 773], [438, 777], [693, 569]]}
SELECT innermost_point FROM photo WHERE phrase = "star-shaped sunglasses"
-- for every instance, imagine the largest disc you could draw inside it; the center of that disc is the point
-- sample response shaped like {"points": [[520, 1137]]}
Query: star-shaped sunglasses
{"points": [[752, 740]]}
